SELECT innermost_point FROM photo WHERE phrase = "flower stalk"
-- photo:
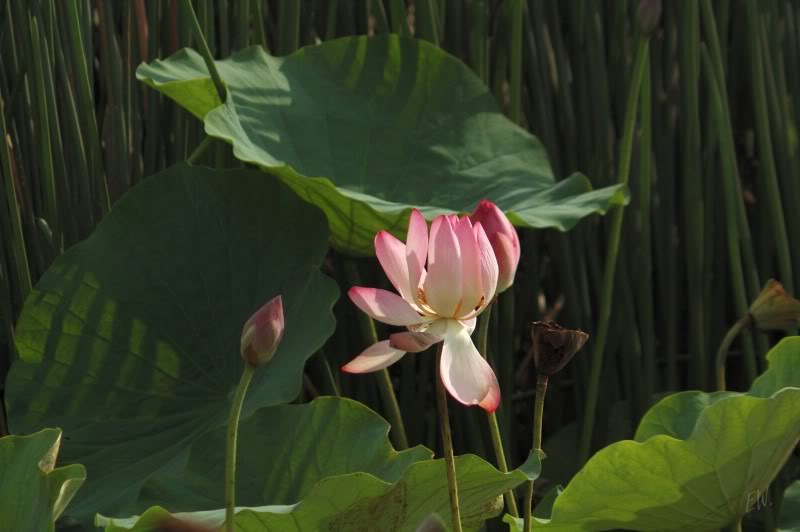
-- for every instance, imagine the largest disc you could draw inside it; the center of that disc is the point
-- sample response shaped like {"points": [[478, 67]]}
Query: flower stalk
{"points": [[494, 428], [205, 51], [609, 270], [230, 454], [447, 443], [538, 415], [722, 352]]}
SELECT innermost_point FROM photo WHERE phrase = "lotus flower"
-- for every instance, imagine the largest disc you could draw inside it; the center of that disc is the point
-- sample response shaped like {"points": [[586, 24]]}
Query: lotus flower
{"points": [[262, 333], [444, 282], [503, 238]]}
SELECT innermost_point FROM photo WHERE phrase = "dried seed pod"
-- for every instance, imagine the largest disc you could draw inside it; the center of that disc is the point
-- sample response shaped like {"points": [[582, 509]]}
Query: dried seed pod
{"points": [[554, 346]]}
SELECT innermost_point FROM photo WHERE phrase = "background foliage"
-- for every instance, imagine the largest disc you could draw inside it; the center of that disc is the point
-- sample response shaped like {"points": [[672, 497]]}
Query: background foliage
{"points": [[714, 188]]}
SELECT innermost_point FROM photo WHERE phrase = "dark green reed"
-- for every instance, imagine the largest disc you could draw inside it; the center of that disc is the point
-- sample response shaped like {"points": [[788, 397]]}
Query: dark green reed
{"points": [[701, 122]]}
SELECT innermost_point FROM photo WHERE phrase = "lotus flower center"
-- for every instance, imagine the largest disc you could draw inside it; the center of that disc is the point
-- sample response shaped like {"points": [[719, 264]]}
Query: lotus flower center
{"points": [[421, 296]]}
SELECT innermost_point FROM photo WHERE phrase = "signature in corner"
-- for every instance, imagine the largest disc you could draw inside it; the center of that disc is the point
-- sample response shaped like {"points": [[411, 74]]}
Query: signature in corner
{"points": [[756, 500]]}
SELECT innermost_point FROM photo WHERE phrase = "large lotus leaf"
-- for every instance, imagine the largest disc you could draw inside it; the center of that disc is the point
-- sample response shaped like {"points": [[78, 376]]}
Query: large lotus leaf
{"points": [[283, 452], [33, 492], [789, 519], [360, 502], [368, 127], [697, 462], [130, 341]]}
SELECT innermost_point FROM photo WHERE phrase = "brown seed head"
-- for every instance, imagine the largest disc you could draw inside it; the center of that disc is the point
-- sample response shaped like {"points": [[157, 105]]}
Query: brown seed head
{"points": [[554, 346], [647, 16]]}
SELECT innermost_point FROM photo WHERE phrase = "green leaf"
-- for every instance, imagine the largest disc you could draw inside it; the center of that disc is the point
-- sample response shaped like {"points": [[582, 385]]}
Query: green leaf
{"points": [[360, 501], [33, 492], [789, 518], [283, 452], [368, 127], [699, 460], [130, 341]]}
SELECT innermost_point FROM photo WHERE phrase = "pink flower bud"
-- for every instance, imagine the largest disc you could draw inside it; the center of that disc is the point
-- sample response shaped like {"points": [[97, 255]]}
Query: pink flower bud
{"points": [[262, 333], [503, 238]]}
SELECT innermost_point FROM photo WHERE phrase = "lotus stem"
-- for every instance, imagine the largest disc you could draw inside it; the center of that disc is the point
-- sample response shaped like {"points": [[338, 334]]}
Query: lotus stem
{"points": [[722, 352], [494, 428], [230, 454], [614, 237], [199, 150], [447, 443], [204, 50], [538, 414]]}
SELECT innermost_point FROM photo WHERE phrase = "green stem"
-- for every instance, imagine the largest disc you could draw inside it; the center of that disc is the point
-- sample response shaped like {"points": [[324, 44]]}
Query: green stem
{"points": [[199, 150], [204, 50], [722, 352], [398, 16], [766, 157], [447, 443], [494, 428], [538, 415], [515, 60], [694, 211], [645, 253], [730, 180], [391, 405], [244, 24], [230, 454], [327, 374], [611, 258]]}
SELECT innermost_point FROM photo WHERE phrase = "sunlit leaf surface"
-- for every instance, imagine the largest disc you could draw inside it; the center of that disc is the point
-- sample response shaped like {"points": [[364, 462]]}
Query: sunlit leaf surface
{"points": [[368, 127]]}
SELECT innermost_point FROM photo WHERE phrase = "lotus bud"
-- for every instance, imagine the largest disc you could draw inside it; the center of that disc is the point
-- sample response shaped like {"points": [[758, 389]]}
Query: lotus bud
{"points": [[503, 238], [774, 309], [554, 346], [647, 15], [262, 334]]}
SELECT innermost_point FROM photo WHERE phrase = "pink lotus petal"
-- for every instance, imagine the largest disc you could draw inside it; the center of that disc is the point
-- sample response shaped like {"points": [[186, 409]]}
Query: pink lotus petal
{"points": [[392, 256], [507, 260], [384, 306], [416, 252], [466, 374], [413, 342], [494, 221], [375, 357], [436, 226], [471, 289], [443, 282], [506, 249], [489, 269], [492, 399]]}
